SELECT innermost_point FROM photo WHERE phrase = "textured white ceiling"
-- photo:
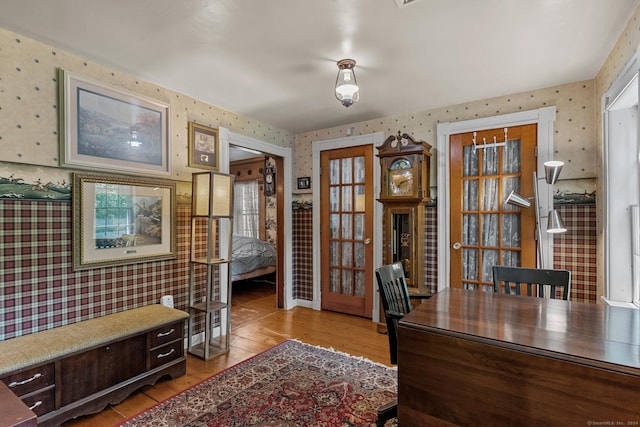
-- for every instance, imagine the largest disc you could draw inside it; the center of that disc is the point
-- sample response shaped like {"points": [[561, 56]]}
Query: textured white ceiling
{"points": [[275, 60]]}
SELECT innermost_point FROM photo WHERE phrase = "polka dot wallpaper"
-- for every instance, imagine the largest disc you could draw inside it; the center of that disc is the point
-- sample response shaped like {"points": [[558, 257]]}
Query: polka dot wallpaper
{"points": [[29, 105], [575, 129]]}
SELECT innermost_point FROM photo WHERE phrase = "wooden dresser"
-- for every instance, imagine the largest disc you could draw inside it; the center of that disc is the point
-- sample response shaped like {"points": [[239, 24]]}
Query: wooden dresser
{"points": [[79, 369], [474, 358]]}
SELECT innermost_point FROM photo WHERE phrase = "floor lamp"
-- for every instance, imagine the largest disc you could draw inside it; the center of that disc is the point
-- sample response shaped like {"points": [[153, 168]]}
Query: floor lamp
{"points": [[554, 221]]}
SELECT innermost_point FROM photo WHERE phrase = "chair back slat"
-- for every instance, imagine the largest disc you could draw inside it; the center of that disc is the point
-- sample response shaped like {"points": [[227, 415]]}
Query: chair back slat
{"points": [[395, 300], [393, 288], [559, 281]]}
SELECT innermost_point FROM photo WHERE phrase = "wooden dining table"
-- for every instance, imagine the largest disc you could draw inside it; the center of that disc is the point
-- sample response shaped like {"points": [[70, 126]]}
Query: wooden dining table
{"points": [[480, 358]]}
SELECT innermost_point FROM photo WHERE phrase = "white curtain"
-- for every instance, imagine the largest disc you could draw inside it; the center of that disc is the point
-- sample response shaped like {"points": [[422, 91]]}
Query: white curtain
{"points": [[483, 172], [246, 209]]}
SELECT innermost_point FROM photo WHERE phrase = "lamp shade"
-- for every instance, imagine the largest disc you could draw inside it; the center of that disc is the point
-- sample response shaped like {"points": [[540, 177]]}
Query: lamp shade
{"points": [[347, 90], [552, 171], [555, 223], [212, 194], [517, 200]]}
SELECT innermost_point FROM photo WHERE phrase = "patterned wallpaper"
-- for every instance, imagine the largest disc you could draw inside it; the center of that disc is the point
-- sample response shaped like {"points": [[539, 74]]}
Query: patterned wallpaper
{"points": [[29, 106], [39, 290], [577, 128], [574, 139]]}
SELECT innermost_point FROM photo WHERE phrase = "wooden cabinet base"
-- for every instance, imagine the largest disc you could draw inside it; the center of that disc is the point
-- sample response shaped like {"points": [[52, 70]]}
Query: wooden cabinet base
{"points": [[113, 395], [79, 369]]}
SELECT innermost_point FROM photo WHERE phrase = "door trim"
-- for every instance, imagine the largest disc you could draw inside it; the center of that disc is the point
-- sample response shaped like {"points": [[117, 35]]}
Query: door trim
{"points": [[374, 139], [544, 118], [285, 178]]}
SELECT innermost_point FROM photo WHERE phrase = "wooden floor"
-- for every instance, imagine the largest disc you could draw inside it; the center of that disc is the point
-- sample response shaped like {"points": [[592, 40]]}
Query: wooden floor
{"points": [[256, 326]]}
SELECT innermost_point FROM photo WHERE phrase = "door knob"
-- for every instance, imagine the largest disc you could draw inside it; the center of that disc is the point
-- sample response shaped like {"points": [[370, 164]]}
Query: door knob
{"points": [[457, 245], [367, 241]]}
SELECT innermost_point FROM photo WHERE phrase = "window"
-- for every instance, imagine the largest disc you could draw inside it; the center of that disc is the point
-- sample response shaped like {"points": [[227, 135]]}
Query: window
{"points": [[246, 209], [622, 189]]}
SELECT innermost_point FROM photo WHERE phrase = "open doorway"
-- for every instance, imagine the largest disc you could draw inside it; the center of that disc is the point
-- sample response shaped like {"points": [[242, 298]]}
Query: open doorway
{"points": [[257, 213]]}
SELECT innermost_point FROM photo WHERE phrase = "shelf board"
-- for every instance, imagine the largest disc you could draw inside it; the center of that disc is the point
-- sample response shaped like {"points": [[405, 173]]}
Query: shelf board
{"points": [[214, 350], [203, 260], [213, 306]]}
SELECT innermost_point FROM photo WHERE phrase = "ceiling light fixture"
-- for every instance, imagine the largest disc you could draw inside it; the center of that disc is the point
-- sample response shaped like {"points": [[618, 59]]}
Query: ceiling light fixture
{"points": [[347, 90]]}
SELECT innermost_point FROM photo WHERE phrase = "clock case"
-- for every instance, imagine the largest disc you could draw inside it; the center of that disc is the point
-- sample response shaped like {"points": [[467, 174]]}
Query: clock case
{"points": [[404, 214], [418, 154]]}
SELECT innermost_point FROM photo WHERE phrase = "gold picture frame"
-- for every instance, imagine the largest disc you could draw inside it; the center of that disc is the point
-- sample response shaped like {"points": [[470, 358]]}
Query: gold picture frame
{"points": [[122, 220], [204, 147]]}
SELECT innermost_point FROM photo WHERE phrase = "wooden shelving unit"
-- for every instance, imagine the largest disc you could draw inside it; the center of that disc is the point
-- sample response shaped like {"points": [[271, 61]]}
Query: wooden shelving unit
{"points": [[210, 264]]}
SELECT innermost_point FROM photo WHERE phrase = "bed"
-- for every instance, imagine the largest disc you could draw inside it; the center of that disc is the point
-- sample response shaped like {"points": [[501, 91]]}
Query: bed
{"points": [[251, 258]]}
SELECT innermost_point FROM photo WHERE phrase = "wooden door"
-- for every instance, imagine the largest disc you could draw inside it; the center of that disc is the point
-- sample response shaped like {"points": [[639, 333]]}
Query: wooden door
{"points": [[346, 230], [485, 231]]}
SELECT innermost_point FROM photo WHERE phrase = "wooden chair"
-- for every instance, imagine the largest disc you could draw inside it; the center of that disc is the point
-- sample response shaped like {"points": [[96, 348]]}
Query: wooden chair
{"points": [[396, 303], [533, 278]]}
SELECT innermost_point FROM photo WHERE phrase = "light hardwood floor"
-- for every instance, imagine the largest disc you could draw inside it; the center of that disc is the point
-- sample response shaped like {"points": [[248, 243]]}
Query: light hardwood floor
{"points": [[256, 325]]}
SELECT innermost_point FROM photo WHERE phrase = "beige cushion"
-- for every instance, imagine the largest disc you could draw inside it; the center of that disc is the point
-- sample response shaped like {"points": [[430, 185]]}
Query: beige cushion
{"points": [[40, 347]]}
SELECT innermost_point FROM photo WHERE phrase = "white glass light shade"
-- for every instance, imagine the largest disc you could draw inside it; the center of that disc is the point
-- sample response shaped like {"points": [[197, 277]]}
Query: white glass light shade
{"points": [[552, 171], [517, 200], [212, 194], [347, 90], [555, 223]]}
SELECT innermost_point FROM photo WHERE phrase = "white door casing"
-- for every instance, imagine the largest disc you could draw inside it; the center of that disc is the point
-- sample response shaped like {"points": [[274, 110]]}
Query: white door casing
{"points": [[544, 117]]}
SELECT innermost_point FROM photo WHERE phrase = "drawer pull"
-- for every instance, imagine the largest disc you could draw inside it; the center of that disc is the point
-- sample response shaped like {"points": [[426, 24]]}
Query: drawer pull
{"points": [[35, 405], [164, 334], [160, 356], [28, 380]]}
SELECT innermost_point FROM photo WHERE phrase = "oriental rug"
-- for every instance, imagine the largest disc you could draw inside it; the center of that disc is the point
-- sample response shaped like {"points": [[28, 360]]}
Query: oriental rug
{"points": [[291, 384]]}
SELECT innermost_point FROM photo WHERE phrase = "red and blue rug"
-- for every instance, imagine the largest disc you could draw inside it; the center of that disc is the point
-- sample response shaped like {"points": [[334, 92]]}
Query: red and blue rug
{"points": [[291, 384]]}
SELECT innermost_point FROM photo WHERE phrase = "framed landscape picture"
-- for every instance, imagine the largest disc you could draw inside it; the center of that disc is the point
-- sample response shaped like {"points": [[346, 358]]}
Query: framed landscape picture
{"points": [[108, 128], [122, 220], [204, 147]]}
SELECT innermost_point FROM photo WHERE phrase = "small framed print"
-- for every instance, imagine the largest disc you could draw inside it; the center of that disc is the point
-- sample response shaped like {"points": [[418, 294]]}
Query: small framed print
{"points": [[204, 147], [304, 183]]}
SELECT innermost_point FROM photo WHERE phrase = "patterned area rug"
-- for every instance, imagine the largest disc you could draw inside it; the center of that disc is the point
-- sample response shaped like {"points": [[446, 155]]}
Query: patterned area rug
{"points": [[291, 384]]}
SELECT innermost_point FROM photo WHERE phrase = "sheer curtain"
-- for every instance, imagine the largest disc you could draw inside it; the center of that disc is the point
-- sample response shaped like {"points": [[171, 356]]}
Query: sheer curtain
{"points": [[485, 215], [246, 209]]}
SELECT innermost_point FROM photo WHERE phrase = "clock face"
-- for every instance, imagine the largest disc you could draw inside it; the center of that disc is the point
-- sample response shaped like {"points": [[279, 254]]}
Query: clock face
{"points": [[400, 182]]}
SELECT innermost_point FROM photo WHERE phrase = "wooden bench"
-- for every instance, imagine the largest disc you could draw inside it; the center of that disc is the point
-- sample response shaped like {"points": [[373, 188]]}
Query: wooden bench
{"points": [[79, 369]]}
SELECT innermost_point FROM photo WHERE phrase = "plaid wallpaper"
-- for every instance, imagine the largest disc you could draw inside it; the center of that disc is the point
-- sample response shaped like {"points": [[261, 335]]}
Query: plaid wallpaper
{"points": [[431, 247], [575, 250], [302, 254], [40, 290]]}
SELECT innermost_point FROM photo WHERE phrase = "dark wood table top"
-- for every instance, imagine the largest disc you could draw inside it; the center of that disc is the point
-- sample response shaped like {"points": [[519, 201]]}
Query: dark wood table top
{"points": [[598, 335]]}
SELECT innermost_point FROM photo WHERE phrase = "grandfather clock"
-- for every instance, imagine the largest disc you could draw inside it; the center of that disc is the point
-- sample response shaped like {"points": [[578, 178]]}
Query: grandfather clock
{"points": [[404, 191]]}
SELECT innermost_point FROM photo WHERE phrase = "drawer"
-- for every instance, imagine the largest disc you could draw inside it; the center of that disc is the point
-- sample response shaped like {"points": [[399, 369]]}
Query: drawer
{"points": [[165, 354], [166, 334], [30, 379], [41, 402]]}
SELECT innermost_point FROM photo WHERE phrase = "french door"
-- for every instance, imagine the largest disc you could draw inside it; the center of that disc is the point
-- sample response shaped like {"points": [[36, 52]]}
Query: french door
{"points": [[485, 231], [346, 206]]}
